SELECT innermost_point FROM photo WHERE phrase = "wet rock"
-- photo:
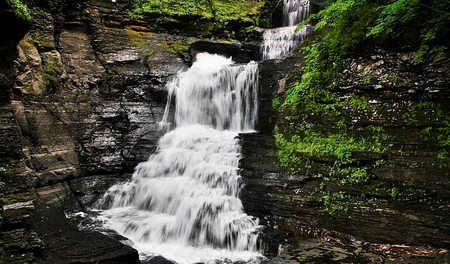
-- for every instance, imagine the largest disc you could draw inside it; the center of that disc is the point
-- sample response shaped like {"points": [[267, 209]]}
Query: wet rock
{"points": [[51, 148], [238, 52], [157, 260], [295, 203], [82, 66], [28, 69], [17, 212], [11, 143], [64, 242], [442, 259], [273, 80], [314, 251], [20, 245], [89, 189]]}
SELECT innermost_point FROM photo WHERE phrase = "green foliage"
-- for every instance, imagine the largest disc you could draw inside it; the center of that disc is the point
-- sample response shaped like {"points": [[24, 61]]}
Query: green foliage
{"points": [[276, 103], [337, 146], [436, 114], [394, 192], [20, 9], [426, 24], [314, 127], [171, 7], [344, 26], [338, 202], [206, 9], [214, 15]]}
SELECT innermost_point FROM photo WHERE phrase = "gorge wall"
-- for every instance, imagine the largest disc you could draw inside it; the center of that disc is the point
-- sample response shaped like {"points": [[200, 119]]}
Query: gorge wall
{"points": [[81, 95], [404, 200]]}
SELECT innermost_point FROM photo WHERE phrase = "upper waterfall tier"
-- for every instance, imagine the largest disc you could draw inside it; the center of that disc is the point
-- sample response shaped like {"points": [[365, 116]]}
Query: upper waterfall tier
{"points": [[279, 41], [295, 11], [217, 93]]}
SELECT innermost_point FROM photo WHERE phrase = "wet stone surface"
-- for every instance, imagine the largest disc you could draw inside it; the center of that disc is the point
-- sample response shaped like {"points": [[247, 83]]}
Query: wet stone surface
{"points": [[317, 251]]}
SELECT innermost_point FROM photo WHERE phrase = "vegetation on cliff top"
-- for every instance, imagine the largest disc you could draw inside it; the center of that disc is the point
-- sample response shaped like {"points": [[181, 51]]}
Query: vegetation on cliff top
{"points": [[208, 9], [313, 124]]}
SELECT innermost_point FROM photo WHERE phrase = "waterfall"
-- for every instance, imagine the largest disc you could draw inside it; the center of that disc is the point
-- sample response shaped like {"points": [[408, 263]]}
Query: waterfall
{"points": [[278, 41], [183, 203], [227, 101], [294, 12]]}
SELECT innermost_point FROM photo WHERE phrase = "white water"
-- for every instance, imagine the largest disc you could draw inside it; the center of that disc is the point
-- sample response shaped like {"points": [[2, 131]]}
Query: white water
{"points": [[279, 41], [295, 11], [183, 203]]}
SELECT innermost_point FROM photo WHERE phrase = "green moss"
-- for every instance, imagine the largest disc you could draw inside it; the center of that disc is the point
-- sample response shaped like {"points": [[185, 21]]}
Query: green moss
{"points": [[235, 9], [180, 45], [139, 38], [27, 45], [224, 17], [14, 188], [39, 39], [436, 115], [50, 65], [173, 8], [112, 84], [316, 134], [205, 9]]}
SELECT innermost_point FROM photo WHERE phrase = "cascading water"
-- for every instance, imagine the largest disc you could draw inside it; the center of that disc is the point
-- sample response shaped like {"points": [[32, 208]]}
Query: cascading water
{"points": [[183, 202], [294, 12], [278, 41]]}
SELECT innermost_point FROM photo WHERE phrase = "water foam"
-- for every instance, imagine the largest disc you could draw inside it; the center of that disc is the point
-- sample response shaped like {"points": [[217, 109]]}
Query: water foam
{"points": [[183, 203], [279, 41]]}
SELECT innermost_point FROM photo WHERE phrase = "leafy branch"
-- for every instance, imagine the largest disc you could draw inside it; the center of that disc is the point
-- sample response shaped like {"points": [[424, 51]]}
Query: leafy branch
{"points": [[20, 9]]}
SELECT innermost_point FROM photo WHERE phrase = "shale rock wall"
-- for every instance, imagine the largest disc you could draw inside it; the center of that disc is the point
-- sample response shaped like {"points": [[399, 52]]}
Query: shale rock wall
{"points": [[81, 95], [406, 199], [81, 98]]}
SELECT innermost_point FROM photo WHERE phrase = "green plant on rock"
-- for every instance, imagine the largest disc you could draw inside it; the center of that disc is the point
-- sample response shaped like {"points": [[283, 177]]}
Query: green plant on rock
{"points": [[113, 83], [426, 24], [21, 10], [217, 12], [437, 115], [170, 7], [337, 202], [314, 126]]}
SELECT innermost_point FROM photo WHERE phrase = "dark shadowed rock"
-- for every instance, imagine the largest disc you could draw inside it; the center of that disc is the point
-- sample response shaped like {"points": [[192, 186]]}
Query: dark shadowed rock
{"points": [[238, 52], [88, 190], [157, 260], [64, 242]]}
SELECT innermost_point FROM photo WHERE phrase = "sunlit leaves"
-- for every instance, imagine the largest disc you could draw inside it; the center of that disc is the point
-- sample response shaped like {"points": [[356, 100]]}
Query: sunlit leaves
{"points": [[224, 9], [20, 9], [426, 23]]}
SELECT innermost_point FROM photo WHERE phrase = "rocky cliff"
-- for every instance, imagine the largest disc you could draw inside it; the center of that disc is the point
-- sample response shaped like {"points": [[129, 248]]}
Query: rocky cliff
{"points": [[82, 92], [81, 95], [404, 200]]}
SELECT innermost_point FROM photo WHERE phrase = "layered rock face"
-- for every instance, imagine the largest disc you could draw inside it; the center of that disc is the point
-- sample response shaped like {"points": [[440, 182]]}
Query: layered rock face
{"points": [[404, 201], [82, 92], [81, 95]]}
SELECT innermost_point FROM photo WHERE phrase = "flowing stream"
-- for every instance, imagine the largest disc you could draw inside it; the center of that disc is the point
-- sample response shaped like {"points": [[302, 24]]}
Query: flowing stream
{"points": [[183, 203]]}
